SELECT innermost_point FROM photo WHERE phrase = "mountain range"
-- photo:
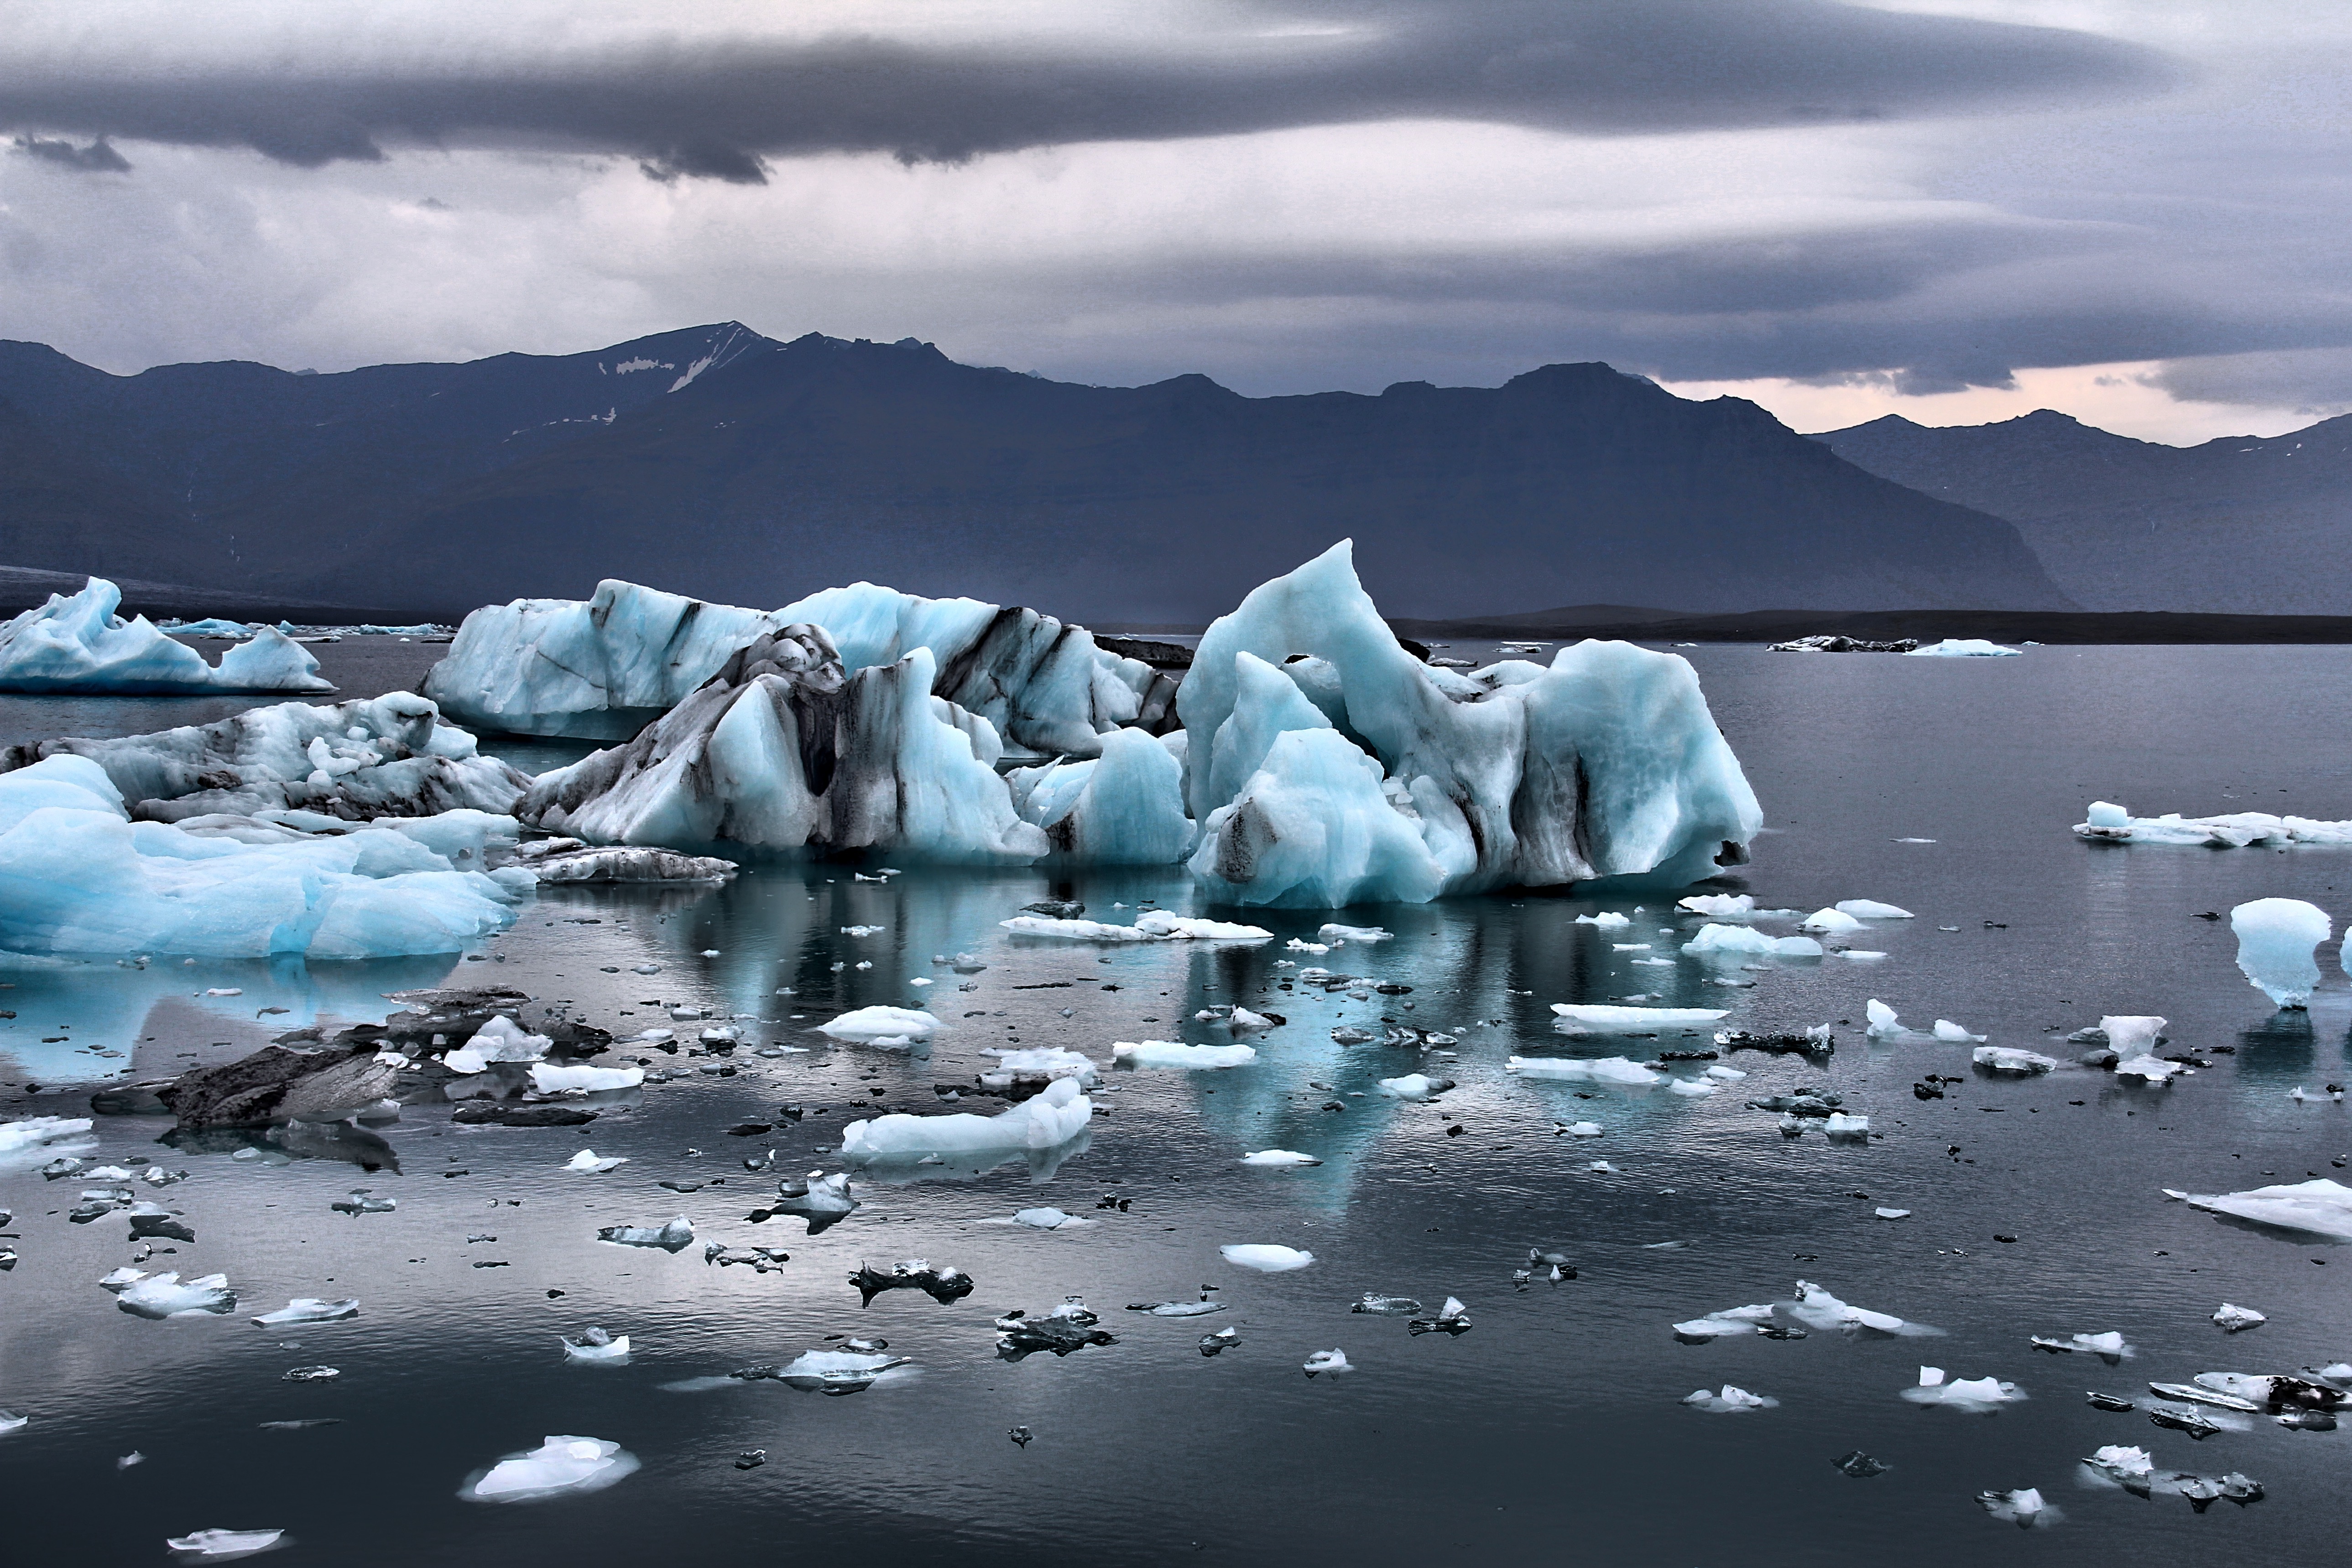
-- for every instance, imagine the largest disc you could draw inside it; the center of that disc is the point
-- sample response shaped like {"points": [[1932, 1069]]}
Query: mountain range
{"points": [[2229, 525], [719, 462]]}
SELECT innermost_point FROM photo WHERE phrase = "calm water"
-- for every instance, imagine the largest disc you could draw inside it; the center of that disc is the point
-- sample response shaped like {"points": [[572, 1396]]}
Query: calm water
{"points": [[1551, 1428]]}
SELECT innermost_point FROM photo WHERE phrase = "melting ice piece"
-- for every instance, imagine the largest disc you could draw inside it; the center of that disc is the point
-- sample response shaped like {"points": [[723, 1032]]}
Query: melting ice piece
{"points": [[1731, 942], [1279, 1159], [1067, 1328], [1337, 933], [2024, 1508], [584, 1079], [310, 1309], [2317, 1208], [1265, 1257], [1577, 1018], [1962, 647], [12, 1422], [2276, 939], [1199, 1308], [163, 1296], [1185, 927], [2132, 1035], [1731, 1401], [1332, 1361], [1582, 1129], [1414, 1086], [1883, 1019], [1607, 920], [1035, 1065], [1387, 1306], [593, 1164], [1073, 929], [1973, 1395], [35, 1131], [223, 1544], [879, 1023], [1817, 1307], [1830, 921], [1840, 1125], [941, 1282], [502, 1039], [1606, 1069], [1691, 1087], [1948, 1031], [836, 1372], [675, 1237], [2010, 1059], [1872, 910], [1727, 1323], [1050, 1119], [1170, 1054], [362, 1200], [1859, 1466], [2235, 1319], [1452, 1318], [820, 1199], [1892, 1213], [595, 1345], [557, 1466], [2110, 1346], [1723, 906]]}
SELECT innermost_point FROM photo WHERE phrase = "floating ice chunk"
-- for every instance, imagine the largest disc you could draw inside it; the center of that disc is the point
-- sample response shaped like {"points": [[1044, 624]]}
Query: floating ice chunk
{"points": [[1962, 647], [502, 1039], [36, 1132], [225, 1544], [163, 1296], [2152, 1071], [1317, 948], [1073, 929], [1723, 1074], [1892, 1213], [1872, 910], [1731, 1401], [1036, 1064], [1242, 1019], [1884, 1021], [2111, 1345], [1170, 1054], [1339, 933], [77, 643], [2132, 1035], [1722, 906], [1830, 921], [868, 1024], [1594, 1018], [2317, 1208], [1735, 940], [2010, 1059], [1046, 1219], [1279, 1160], [1690, 1087], [310, 1309], [1729, 1322], [1265, 1257], [12, 1422], [559, 1466], [1840, 1125], [836, 1372], [2234, 830], [595, 1346], [1052, 1118], [548, 1079], [1186, 927], [1607, 920], [1607, 1069], [1818, 1308], [1414, 1086], [822, 1200], [2024, 1507], [592, 1164], [675, 1237], [2276, 939], [2235, 1319], [1331, 1360], [1582, 1129], [1452, 1318], [1947, 1030], [1975, 1396]]}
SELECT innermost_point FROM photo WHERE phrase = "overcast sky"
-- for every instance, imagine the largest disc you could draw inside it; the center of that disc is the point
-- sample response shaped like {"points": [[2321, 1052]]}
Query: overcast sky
{"points": [[1957, 210]]}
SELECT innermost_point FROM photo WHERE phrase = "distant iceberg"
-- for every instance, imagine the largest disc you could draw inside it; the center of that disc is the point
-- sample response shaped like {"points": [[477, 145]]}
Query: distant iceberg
{"points": [[77, 643], [1962, 647], [2234, 830]]}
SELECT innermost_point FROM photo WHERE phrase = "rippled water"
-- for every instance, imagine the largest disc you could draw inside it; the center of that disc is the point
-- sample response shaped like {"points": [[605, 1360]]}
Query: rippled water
{"points": [[1553, 1427]]}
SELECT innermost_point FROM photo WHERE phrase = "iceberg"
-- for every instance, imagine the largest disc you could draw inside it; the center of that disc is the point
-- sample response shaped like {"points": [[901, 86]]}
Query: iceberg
{"points": [[1974, 1395], [781, 749], [1123, 807], [1034, 1066], [589, 1162], [1962, 647], [2317, 1208], [836, 1372], [2110, 823], [77, 643], [2276, 939], [1735, 941], [1265, 1257], [1170, 1054], [1830, 921], [1607, 1069], [1052, 1118], [1607, 764], [1579, 1018], [84, 879], [355, 761], [557, 1467]]}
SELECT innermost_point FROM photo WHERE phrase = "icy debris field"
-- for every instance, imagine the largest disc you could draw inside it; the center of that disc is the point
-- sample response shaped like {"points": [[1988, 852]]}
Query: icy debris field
{"points": [[623, 1277]]}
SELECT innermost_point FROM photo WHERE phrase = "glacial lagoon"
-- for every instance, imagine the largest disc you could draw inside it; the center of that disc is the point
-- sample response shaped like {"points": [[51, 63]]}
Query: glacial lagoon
{"points": [[1554, 1425]]}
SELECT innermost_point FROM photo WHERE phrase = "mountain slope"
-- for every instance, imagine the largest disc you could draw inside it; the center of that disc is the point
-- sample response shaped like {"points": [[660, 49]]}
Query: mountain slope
{"points": [[2132, 525]]}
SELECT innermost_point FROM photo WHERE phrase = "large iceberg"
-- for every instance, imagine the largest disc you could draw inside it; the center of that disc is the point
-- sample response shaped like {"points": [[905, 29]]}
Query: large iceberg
{"points": [[782, 749], [605, 669], [1606, 764], [382, 756], [77, 643], [82, 878], [1124, 807], [2276, 939]]}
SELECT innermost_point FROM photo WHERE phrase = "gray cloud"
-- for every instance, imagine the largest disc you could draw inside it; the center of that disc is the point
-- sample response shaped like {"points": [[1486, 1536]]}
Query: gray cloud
{"points": [[97, 158], [2318, 379], [716, 110]]}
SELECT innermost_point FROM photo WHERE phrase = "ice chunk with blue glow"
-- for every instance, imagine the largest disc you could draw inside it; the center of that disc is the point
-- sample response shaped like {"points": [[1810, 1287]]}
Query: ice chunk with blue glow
{"points": [[2276, 939], [1266, 705], [559, 1466], [77, 643], [84, 879], [1962, 647], [1313, 830], [1171, 1054], [1607, 1069], [781, 751], [1125, 807], [1414, 1086], [1606, 765], [1831, 922], [1597, 1018], [1052, 1118], [1265, 1257], [1722, 942]]}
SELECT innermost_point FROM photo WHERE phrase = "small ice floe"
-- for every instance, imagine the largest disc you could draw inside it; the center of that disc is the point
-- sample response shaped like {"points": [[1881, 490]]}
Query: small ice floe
{"points": [[1723, 906], [1606, 1069], [1578, 1129], [1414, 1086], [595, 1346], [1339, 933], [2011, 1059], [1265, 1257], [159, 1296], [2276, 939], [1856, 1463], [582, 1080], [1731, 1323], [1954, 1034], [837, 1372], [675, 1237], [1172, 1054], [1047, 1121], [2024, 1508], [1723, 1074], [1690, 1087], [1829, 922], [1843, 1128], [1892, 1213], [1607, 920], [820, 1199], [2109, 1347], [1601, 1168], [2237, 1320], [1971, 1396], [2318, 1389], [943, 1283], [502, 1039], [1386, 1306], [1871, 908], [861, 931], [1731, 942], [1554, 1266], [2317, 1208], [2134, 1469], [311, 1310], [557, 1468], [588, 1162], [1332, 1361], [1732, 1400], [220, 1545], [1452, 1318], [310, 1374], [1962, 647], [1040, 1219], [1222, 1339], [12, 1422], [881, 1025], [1598, 1020], [1885, 1023], [1296, 945], [362, 1200], [1035, 1067], [1279, 1160], [1818, 1308], [1068, 1327], [1199, 1308]]}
